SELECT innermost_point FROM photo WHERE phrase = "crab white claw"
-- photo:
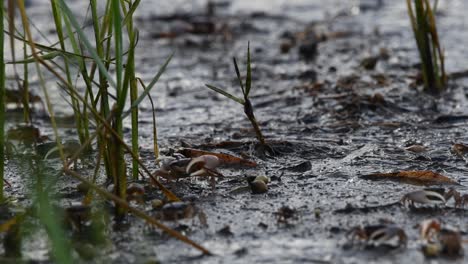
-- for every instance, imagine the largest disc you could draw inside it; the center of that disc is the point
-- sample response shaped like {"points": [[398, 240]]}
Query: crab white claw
{"points": [[207, 162], [423, 197]]}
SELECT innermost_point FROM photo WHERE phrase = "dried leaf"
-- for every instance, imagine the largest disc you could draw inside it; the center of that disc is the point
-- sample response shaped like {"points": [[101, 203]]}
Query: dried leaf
{"points": [[412, 177], [226, 158]]}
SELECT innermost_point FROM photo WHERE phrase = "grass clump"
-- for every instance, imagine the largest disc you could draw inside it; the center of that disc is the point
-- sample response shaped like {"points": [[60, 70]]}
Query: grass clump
{"points": [[102, 62], [245, 100], [424, 27]]}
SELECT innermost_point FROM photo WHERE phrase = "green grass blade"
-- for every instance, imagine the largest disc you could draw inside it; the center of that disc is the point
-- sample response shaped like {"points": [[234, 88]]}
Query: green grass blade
{"points": [[118, 40], [2, 106], [131, 78], [61, 248], [150, 86], [48, 56], [129, 15], [66, 10], [228, 95], [238, 75], [248, 78]]}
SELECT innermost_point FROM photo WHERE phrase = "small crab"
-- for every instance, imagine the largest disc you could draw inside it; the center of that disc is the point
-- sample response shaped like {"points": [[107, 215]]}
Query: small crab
{"points": [[172, 168], [428, 230], [426, 196], [135, 192], [286, 214], [440, 240], [204, 165], [77, 215], [175, 211], [176, 168], [376, 235], [451, 242], [460, 200]]}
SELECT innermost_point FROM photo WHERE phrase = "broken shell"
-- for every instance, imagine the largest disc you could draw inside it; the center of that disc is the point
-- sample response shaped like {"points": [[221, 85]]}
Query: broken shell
{"points": [[200, 163], [262, 178], [258, 187]]}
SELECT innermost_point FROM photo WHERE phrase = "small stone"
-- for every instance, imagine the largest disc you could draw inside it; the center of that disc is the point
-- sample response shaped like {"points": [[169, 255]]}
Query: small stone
{"points": [[263, 178], [258, 187], [286, 46], [431, 250], [225, 231], [416, 148], [157, 204], [317, 213], [82, 188]]}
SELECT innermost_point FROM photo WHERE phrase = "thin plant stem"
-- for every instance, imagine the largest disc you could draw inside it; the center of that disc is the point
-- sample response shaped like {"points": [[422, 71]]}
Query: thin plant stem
{"points": [[41, 79], [2, 107], [425, 33], [131, 79]]}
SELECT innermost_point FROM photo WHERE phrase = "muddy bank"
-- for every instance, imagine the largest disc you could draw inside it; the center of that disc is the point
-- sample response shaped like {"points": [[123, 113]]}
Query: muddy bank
{"points": [[336, 93]]}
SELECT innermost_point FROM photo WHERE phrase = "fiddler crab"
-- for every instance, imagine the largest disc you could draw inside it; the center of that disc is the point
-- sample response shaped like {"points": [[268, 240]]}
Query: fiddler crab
{"points": [[387, 234], [434, 196], [135, 192], [440, 240], [286, 214], [174, 168], [77, 216], [175, 211]]}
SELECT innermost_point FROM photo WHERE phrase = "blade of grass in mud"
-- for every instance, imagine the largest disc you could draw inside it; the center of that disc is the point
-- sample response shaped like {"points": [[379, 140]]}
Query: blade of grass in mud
{"points": [[41, 78], [102, 98], [61, 248], [81, 114], [129, 15], [2, 107], [150, 86], [117, 153], [66, 10], [130, 80], [155, 131], [239, 78], [22, 87], [427, 40], [223, 92], [248, 78], [74, 103]]}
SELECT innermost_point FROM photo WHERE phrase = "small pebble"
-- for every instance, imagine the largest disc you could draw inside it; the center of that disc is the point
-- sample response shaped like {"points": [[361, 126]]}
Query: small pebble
{"points": [[258, 187], [156, 204]]}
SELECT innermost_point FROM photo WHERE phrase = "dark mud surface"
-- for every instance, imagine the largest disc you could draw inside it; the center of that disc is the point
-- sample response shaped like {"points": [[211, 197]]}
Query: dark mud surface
{"points": [[350, 107]]}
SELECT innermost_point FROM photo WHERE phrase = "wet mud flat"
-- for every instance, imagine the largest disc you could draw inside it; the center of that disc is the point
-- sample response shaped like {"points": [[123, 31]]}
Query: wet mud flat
{"points": [[337, 95]]}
